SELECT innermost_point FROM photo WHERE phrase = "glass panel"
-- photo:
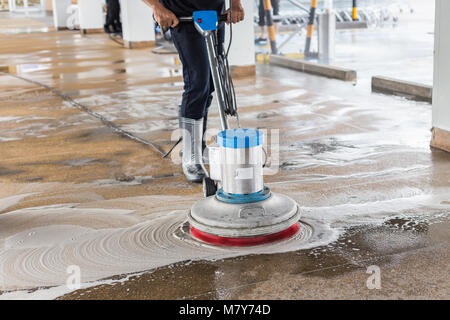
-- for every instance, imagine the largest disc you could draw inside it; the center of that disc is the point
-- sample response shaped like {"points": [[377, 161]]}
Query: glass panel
{"points": [[19, 3], [4, 5], [34, 3], [28, 4]]}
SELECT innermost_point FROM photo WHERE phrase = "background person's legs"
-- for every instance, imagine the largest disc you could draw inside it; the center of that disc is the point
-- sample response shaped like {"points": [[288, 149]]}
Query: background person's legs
{"points": [[276, 12], [113, 23], [262, 19], [261, 22]]}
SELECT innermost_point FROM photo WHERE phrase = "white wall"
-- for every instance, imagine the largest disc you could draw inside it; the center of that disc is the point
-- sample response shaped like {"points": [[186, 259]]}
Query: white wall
{"points": [[91, 14], [60, 14], [137, 21], [441, 83], [242, 52]]}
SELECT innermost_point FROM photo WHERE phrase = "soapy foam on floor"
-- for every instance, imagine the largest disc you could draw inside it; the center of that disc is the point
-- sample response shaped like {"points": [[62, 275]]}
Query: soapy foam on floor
{"points": [[38, 244], [38, 255], [5, 203]]}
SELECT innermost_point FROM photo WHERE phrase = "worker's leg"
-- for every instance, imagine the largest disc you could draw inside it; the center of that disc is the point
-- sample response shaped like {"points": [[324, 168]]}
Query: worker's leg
{"points": [[193, 54]]}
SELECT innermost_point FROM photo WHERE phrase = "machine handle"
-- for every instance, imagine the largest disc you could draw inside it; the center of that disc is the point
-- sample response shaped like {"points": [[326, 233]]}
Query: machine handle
{"points": [[220, 18]]}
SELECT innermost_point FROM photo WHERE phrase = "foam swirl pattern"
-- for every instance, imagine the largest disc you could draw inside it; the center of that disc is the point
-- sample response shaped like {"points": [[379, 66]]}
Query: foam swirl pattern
{"points": [[39, 256]]}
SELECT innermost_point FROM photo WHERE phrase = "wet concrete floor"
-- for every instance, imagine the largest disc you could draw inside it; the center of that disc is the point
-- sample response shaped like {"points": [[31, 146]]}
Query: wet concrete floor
{"points": [[25, 22], [73, 192]]}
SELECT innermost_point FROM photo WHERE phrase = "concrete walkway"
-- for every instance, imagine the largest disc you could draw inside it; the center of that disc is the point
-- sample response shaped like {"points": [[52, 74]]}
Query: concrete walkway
{"points": [[73, 192]]}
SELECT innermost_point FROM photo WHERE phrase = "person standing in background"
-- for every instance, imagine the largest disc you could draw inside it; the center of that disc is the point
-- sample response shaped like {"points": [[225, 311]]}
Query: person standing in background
{"points": [[4, 4], [113, 23], [262, 39]]}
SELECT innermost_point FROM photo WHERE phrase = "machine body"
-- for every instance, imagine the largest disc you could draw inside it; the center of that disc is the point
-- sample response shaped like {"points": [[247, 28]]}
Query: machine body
{"points": [[239, 210]]}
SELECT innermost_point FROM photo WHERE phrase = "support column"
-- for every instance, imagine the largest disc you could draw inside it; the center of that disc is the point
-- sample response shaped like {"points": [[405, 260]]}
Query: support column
{"points": [[60, 14], [48, 5], [327, 29], [242, 52], [91, 16], [138, 26], [441, 81]]}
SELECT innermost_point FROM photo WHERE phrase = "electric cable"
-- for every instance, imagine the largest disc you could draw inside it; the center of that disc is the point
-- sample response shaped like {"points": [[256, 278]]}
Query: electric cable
{"points": [[225, 75]]}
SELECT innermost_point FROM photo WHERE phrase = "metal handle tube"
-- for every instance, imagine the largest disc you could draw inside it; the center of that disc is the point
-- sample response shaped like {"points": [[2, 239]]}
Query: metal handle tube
{"points": [[220, 18], [299, 5], [218, 86], [185, 19]]}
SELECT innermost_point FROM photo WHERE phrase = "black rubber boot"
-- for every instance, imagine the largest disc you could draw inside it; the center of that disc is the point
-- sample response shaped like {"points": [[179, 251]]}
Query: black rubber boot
{"points": [[192, 162]]}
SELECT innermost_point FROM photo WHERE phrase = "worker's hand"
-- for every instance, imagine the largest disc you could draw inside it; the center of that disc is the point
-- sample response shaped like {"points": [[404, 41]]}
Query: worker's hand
{"points": [[164, 16], [237, 11]]}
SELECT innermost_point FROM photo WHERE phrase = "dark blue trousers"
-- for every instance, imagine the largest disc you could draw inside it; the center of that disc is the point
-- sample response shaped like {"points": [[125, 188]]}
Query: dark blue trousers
{"points": [[198, 84]]}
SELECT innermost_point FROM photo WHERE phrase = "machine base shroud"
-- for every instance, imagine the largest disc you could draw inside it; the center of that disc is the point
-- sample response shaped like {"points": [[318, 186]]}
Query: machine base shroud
{"points": [[244, 224], [246, 241]]}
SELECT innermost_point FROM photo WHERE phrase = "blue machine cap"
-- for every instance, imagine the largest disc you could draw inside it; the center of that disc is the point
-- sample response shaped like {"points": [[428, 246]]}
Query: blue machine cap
{"points": [[240, 138], [206, 20]]}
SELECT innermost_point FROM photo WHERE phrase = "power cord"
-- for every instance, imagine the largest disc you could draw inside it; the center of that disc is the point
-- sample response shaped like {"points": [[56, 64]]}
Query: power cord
{"points": [[225, 75]]}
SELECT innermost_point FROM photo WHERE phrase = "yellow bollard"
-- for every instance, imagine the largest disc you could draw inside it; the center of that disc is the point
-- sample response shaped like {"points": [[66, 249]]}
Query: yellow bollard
{"points": [[310, 28], [355, 11], [270, 26]]}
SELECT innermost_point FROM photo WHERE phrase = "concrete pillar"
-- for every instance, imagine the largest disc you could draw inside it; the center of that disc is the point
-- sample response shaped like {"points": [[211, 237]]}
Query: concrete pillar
{"points": [[441, 82], [242, 52], [60, 14], [49, 5], [4, 4], [138, 26], [91, 16], [327, 29]]}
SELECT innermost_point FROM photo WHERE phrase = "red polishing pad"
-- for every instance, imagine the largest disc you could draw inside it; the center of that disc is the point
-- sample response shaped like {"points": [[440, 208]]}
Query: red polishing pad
{"points": [[245, 241]]}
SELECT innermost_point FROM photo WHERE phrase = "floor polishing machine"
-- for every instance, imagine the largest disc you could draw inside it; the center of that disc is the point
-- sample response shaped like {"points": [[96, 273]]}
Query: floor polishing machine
{"points": [[238, 210]]}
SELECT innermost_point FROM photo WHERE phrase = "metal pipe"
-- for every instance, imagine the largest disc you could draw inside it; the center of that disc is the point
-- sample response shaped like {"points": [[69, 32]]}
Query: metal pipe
{"points": [[218, 86], [299, 5], [310, 28]]}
